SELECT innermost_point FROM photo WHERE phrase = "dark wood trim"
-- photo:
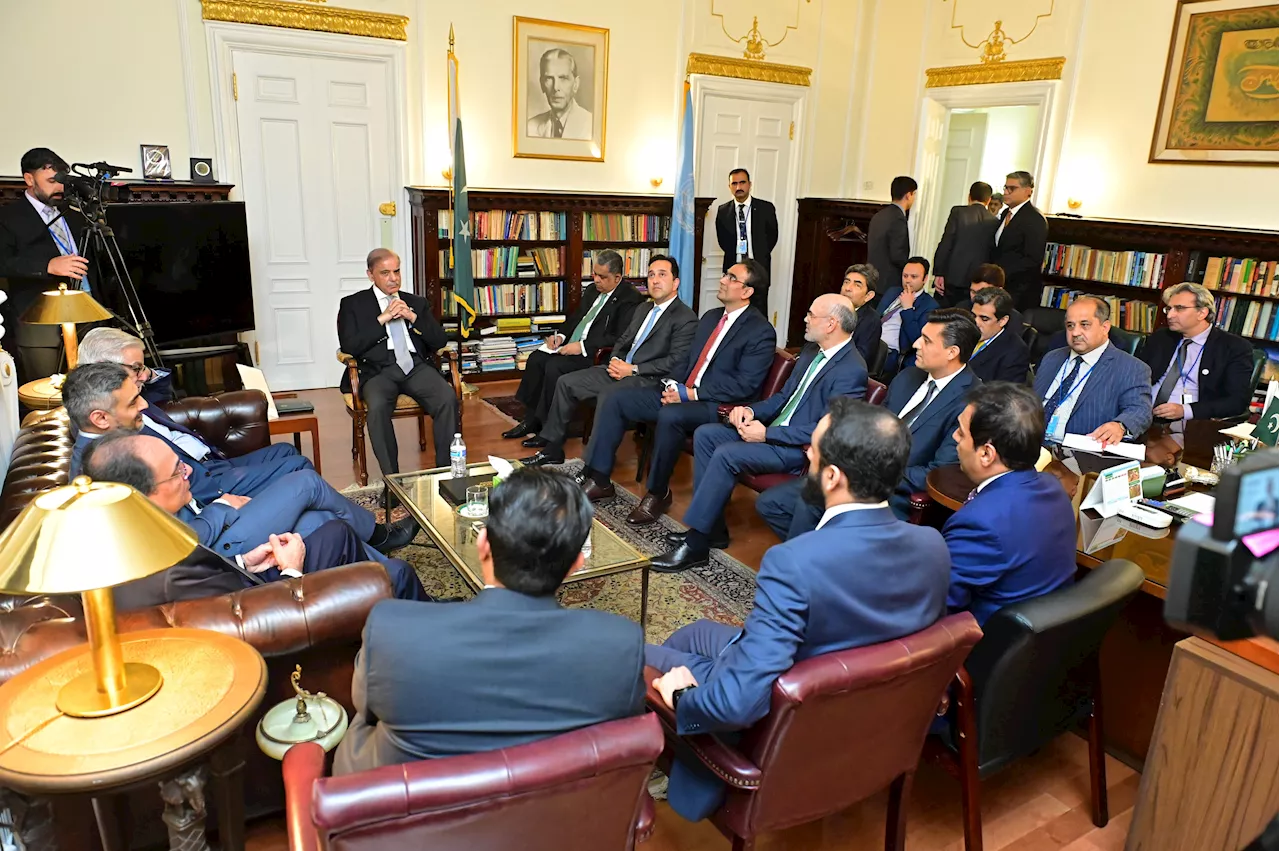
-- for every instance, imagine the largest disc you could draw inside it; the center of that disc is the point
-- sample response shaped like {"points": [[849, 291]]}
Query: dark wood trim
{"points": [[12, 188]]}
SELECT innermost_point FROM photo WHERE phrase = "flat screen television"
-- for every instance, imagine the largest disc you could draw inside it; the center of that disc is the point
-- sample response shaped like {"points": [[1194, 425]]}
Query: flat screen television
{"points": [[190, 265]]}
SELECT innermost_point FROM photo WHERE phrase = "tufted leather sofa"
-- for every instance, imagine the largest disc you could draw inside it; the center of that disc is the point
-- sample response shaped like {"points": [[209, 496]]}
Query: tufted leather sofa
{"points": [[315, 621]]}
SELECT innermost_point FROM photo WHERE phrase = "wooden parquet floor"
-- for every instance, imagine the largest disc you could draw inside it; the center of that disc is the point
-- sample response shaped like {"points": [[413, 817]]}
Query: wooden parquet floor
{"points": [[1038, 804]]}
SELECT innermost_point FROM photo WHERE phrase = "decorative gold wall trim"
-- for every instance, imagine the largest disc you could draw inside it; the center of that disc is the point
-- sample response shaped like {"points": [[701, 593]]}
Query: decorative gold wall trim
{"points": [[295, 16], [747, 69], [996, 72]]}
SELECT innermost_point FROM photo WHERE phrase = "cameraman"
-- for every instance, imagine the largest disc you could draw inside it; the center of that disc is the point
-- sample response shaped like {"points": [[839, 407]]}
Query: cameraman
{"points": [[38, 251]]}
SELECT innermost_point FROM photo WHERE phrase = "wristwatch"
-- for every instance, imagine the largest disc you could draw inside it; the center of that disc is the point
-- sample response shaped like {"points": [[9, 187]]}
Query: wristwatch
{"points": [[675, 695]]}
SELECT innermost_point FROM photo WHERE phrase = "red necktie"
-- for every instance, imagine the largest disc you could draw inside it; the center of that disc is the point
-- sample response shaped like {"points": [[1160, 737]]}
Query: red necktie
{"points": [[706, 350]]}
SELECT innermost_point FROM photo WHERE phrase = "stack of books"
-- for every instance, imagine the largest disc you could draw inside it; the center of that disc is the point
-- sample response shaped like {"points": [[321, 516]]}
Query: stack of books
{"points": [[513, 325], [497, 354], [470, 359], [1128, 268], [547, 323], [525, 346]]}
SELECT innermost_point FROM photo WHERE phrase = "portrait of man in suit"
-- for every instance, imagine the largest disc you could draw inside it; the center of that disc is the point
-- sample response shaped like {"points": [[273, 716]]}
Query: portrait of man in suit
{"points": [[559, 82], [747, 229]]}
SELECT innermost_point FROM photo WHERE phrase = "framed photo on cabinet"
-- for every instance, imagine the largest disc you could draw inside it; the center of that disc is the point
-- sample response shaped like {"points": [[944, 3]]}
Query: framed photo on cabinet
{"points": [[560, 90]]}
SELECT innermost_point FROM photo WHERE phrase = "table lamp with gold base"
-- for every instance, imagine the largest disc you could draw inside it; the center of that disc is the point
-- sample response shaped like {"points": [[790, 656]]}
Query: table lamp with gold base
{"points": [[67, 308], [84, 538]]}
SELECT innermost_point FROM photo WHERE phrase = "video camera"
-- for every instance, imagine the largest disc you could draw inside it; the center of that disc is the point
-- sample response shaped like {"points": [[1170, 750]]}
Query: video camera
{"points": [[1224, 578], [87, 186]]}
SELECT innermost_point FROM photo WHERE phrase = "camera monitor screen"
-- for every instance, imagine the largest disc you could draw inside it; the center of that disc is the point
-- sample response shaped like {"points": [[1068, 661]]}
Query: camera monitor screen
{"points": [[190, 265], [1258, 502]]}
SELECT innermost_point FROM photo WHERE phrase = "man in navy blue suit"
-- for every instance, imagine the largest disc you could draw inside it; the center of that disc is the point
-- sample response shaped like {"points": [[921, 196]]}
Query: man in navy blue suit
{"points": [[861, 578], [861, 282], [928, 397], [1091, 387], [1000, 355], [1015, 538], [903, 312], [769, 436], [730, 356]]}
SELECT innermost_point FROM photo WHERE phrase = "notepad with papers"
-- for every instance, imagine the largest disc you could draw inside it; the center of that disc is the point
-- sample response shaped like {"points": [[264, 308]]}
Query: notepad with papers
{"points": [[1134, 451]]}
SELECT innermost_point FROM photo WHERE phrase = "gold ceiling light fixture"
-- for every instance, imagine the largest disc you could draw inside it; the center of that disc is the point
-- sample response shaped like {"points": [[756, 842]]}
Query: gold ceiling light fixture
{"points": [[754, 40], [991, 49]]}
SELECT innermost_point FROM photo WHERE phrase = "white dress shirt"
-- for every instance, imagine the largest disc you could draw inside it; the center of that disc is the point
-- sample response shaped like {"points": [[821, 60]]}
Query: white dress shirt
{"points": [[197, 449], [836, 510], [804, 388], [918, 396], [384, 301], [982, 484], [729, 318], [66, 239], [577, 122], [604, 302], [1186, 389], [661, 309], [891, 330], [1000, 229], [1063, 413]]}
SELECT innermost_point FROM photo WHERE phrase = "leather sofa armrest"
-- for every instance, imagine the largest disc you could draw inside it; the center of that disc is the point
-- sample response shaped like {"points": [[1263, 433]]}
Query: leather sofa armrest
{"points": [[725, 761], [235, 422], [648, 817], [303, 765]]}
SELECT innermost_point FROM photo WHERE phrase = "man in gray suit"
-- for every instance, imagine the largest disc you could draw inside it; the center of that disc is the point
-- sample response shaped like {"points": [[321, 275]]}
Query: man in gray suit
{"points": [[509, 666], [965, 245], [888, 240], [658, 339]]}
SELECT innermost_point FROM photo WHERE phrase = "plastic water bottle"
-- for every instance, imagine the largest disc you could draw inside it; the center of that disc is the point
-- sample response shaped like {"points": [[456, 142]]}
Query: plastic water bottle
{"points": [[458, 457]]}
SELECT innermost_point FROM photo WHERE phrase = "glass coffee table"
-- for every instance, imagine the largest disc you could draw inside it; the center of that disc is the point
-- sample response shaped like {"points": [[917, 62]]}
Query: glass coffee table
{"points": [[455, 535]]}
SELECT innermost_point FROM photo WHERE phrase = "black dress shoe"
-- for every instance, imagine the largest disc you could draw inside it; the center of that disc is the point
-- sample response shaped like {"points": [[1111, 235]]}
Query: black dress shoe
{"points": [[680, 559], [392, 536], [677, 538], [543, 458], [522, 429], [534, 442], [650, 509]]}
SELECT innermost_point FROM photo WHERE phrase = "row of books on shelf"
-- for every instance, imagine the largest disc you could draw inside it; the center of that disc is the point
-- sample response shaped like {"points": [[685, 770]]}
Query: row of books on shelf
{"points": [[1129, 314], [635, 261], [1248, 318], [508, 261], [508, 224], [539, 326], [1246, 275], [601, 227], [1128, 268], [498, 299]]}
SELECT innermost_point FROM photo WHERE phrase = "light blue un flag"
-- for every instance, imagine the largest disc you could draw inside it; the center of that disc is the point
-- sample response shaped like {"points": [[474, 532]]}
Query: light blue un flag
{"points": [[682, 205]]}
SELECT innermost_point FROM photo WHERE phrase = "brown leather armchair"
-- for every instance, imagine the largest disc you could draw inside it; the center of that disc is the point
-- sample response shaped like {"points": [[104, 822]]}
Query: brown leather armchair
{"points": [[532, 797], [841, 727]]}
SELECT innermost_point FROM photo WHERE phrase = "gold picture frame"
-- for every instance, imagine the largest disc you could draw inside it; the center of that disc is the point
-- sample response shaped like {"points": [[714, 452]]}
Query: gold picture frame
{"points": [[1218, 104], [559, 90]]}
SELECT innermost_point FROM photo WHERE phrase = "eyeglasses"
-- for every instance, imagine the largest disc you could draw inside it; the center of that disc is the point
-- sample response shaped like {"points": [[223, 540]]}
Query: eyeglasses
{"points": [[809, 314], [1011, 187], [183, 470], [1178, 308], [137, 368], [732, 278]]}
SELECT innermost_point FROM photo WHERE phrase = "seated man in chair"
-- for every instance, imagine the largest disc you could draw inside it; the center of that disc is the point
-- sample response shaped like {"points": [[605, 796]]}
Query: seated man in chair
{"points": [[861, 578], [392, 335], [103, 344]]}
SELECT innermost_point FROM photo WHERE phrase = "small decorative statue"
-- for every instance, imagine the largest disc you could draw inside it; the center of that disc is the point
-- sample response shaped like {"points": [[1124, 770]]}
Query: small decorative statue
{"points": [[184, 810]]}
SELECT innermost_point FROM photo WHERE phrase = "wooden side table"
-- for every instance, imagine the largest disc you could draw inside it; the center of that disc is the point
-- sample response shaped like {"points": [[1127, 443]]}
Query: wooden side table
{"points": [[296, 425], [40, 395], [213, 684]]}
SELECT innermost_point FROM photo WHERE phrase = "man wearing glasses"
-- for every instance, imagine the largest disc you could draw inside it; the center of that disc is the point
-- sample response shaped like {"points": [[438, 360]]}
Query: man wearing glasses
{"points": [[1021, 233]]}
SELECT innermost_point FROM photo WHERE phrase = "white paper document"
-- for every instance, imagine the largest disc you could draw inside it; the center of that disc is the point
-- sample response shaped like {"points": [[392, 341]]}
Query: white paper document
{"points": [[1134, 451], [254, 379]]}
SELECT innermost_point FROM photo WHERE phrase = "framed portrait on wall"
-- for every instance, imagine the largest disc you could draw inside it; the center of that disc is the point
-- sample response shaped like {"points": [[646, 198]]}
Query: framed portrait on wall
{"points": [[1219, 102], [560, 91]]}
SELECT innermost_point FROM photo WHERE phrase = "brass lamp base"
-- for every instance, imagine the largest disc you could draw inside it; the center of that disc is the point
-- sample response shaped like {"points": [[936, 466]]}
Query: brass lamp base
{"points": [[82, 699]]}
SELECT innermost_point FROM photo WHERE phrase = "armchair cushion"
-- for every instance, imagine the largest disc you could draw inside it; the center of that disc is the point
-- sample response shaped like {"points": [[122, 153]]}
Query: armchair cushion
{"points": [[235, 422]]}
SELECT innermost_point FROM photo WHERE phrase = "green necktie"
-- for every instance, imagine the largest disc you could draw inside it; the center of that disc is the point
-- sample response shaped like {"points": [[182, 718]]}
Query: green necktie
{"points": [[586, 320], [794, 402]]}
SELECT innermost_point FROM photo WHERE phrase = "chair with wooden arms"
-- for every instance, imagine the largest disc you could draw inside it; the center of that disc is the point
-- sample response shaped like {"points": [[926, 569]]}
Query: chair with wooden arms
{"points": [[1033, 676], [841, 727], [579, 790]]}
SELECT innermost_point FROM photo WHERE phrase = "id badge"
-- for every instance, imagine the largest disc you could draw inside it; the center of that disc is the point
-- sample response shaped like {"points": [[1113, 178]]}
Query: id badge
{"points": [[1187, 400], [742, 248], [1053, 428]]}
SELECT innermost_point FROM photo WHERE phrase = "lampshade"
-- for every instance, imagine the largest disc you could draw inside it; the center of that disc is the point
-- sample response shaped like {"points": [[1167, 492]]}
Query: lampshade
{"points": [[89, 535], [55, 307]]}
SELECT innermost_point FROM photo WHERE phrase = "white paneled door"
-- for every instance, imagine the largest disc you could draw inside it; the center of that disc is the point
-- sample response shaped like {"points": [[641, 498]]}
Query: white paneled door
{"points": [[740, 132], [316, 162]]}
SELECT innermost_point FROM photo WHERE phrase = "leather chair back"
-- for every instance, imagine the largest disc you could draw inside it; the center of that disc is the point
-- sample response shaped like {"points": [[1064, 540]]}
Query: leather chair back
{"points": [[844, 725], [1037, 660], [1128, 341], [878, 359], [236, 421], [876, 392], [1030, 336], [779, 372], [1046, 321], [579, 790]]}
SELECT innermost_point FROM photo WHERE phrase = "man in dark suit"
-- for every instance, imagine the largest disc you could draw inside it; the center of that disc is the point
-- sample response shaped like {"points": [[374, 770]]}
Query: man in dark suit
{"points": [[1000, 355], [604, 311], [862, 578], [1015, 539], [730, 356], [769, 436], [1021, 233], [38, 251], [989, 275], [507, 667], [861, 283], [1091, 387], [903, 312], [747, 228], [928, 397], [965, 244], [392, 335], [155, 471], [888, 240], [657, 339]]}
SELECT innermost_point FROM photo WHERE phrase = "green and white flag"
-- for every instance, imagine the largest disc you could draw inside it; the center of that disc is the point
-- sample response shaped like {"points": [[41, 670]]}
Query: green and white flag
{"points": [[464, 285], [1269, 425]]}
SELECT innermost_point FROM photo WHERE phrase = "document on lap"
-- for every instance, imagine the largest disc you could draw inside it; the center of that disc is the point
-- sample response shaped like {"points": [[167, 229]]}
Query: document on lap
{"points": [[1134, 451]]}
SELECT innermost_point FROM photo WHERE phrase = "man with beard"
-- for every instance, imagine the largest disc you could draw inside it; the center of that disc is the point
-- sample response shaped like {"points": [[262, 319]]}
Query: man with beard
{"points": [[862, 577], [38, 251]]}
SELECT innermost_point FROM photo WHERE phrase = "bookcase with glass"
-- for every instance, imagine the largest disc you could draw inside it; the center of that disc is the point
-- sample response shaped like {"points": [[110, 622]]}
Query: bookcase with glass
{"points": [[531, 254]]}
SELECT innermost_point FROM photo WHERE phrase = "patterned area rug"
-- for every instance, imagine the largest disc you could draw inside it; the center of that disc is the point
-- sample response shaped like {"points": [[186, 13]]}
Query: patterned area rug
{"points": [[509, 407], [722, 590]]}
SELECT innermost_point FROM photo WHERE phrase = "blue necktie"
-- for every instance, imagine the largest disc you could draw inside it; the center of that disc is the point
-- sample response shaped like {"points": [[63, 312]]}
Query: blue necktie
{"points": [[644, 332]]}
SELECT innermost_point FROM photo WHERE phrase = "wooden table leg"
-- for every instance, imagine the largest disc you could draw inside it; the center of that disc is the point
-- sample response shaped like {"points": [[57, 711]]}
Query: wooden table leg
{"points": [[297, 441], [315, 442], [106, 811], [226, 766]]}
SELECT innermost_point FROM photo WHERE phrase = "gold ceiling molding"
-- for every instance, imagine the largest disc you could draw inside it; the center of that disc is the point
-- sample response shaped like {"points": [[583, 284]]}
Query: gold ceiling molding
{"points": [[747, 69], [295, 16], [1002, 72]]}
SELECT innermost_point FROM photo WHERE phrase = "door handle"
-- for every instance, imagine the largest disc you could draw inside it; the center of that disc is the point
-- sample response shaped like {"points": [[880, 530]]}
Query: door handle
{"points": [[388, 208]]}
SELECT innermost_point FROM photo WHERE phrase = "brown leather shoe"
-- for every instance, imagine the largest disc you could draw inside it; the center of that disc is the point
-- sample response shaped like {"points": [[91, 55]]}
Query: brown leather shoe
{"points": [[650, 509], [596, 492]]}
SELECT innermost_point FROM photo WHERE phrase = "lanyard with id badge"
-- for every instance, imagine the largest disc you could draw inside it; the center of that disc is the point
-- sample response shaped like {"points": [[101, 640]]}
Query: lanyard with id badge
{"points": [[1055, 421], [744, 222]]}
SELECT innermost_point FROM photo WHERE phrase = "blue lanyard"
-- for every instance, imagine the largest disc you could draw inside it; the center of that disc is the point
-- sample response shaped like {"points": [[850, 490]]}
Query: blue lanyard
{"points": [[62, 246], [1062, 400], [1191, 369]]}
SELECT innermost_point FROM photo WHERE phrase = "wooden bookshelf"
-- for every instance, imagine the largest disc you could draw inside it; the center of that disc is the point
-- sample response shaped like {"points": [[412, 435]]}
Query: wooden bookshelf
{"points": [[427, 204]]}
